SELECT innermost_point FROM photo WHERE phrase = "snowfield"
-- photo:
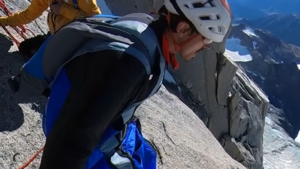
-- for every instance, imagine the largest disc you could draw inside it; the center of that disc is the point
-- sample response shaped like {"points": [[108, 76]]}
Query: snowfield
{"points": [[297, 139], [237, 52], [250, 32]]}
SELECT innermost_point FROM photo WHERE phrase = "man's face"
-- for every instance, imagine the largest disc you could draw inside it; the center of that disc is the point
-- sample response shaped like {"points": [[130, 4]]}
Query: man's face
{"points": [[190, 42], [190, 49]]}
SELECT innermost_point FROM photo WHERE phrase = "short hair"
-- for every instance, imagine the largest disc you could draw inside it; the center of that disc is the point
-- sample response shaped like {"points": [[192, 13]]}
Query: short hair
{"points": [[175, 19]]}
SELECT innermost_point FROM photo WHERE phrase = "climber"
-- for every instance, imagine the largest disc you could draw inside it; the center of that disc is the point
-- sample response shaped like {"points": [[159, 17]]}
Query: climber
{"points": [[62, 12], [104, 68]]}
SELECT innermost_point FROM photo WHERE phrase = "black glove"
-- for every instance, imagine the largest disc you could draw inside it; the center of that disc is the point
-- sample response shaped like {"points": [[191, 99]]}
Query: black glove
{"points": [[30, 46], [14, 83]]}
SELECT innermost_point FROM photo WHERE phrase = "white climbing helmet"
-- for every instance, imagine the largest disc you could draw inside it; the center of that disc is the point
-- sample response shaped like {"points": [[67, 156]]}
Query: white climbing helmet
{"points": [[212, 18]]}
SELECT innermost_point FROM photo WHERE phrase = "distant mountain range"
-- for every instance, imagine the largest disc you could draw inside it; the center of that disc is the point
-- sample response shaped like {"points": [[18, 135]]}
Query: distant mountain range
{"points": [[280, 17], [253, 9], [283, 26], [272, 64], [249, 12]]}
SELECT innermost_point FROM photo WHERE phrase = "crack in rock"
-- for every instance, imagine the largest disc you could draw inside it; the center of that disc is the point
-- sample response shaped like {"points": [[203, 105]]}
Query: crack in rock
{"points": [[16, 157], [282, 148], [160, 158], [165, 130]]}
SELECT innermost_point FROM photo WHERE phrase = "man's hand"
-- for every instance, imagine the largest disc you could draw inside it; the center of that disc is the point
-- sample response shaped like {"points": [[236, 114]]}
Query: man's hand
{"points": [[56, 7]]}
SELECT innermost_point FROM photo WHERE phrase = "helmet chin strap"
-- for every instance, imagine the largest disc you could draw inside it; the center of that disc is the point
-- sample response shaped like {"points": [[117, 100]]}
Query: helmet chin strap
{"points": [[169, 55]]}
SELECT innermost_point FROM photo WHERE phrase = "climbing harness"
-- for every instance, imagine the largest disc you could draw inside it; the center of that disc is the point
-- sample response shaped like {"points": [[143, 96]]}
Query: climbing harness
{"points": [[21, 30]]}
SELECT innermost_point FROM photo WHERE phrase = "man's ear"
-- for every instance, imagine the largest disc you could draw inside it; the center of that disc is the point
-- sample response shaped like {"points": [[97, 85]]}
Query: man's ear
{"points": [[183, 29]]}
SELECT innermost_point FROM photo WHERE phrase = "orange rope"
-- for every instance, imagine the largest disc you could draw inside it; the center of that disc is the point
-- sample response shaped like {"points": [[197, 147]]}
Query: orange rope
{"points": [[20, 32], [31, 159], [11, 36]]}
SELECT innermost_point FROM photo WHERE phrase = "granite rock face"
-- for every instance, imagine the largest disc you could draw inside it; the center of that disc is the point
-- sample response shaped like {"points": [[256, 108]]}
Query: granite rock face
{"points": [[214, 113], [178, 133], [234, 111], [179, 142], [280, 150]]}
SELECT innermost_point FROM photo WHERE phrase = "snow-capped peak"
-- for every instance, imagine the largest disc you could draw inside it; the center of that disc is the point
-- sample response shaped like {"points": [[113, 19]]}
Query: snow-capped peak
{"points": [[249, 32]]}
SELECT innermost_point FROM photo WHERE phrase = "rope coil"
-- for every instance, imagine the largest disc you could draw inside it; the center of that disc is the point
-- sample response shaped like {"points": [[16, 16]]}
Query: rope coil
{"points": [[21, 30]]}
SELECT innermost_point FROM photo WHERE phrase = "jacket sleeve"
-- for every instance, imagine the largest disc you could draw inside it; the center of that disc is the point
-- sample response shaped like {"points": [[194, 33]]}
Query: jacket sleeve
{"points": [[87, 9], [34, 10]]}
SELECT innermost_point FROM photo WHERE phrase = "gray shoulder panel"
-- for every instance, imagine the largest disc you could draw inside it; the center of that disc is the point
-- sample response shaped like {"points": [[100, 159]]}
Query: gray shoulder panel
{"points": [[60, 48], [65, 43]]}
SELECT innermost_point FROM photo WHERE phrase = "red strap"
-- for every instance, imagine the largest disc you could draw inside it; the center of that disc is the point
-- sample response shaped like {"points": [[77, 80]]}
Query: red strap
{"points": [[31, 159], [169, 57], [12, 37], [21, 31]]}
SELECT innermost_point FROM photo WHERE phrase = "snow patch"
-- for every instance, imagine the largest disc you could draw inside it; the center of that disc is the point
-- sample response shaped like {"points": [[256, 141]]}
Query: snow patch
{"points": [[297, 139], [254, 74], [269, 121], [237, 52], [249, 32]]}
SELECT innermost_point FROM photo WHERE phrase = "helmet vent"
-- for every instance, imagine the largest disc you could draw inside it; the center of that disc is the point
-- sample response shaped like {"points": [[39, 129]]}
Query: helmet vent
{"points": [[208, 3], [221, 29], [217, 29], [198, 5], [204, 17]]}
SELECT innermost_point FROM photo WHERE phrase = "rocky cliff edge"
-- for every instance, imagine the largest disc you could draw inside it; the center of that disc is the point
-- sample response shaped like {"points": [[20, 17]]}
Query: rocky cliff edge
{"points": [[228, 114]]}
